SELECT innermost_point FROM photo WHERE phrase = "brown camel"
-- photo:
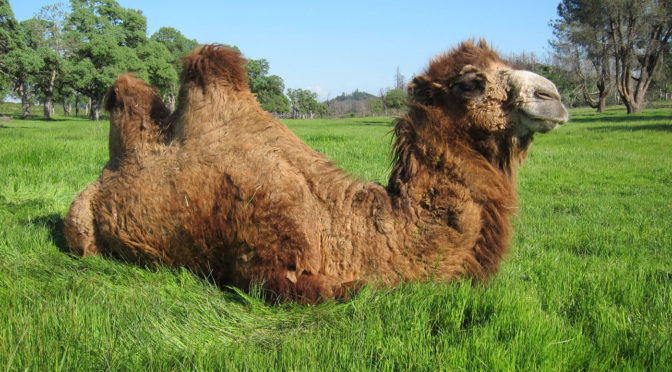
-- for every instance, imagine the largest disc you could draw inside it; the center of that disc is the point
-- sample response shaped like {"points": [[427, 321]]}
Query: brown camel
{"points": [[223, 188]]}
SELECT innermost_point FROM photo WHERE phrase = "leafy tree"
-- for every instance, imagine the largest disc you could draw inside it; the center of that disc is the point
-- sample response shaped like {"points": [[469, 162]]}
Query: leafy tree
{"points": [[161, 71], [269, 89], [9, 38], [586, 49], [64, 86], [396, 98], [322, 109], [376, 105], [21, 64], [105, 37], [44, 35], [178, 46], [304, 101], [8, 27], [637, 32], [176, 43]]}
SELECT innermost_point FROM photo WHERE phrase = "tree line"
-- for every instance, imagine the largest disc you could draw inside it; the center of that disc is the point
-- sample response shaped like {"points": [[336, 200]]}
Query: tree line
{"points": [[72, 56], [616, 45], [603, 52]]}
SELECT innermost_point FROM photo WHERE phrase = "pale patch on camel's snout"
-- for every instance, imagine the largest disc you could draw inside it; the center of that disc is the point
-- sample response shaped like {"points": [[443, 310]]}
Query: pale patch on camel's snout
{"points": [[537, 101]]}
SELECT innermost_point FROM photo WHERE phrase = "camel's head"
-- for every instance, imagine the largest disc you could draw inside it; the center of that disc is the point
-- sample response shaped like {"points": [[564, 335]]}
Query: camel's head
{"points": [[478, 90]]}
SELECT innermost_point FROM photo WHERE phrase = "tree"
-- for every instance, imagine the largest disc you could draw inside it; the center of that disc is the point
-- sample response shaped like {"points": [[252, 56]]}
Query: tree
{"points": [[396, 98], [161, 70], [586, 50], [44, 35], [22, 63], [9, 38], [178, 46], [305, 102], [105, 37], [399, 81], [637, 32], [267, 88], [64, 87]]}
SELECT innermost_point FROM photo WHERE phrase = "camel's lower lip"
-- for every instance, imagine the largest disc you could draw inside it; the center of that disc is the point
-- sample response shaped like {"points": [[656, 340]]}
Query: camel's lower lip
{"points": [[540, 124], [552, 123], [544, 120], [545, 113], [547, 126]]}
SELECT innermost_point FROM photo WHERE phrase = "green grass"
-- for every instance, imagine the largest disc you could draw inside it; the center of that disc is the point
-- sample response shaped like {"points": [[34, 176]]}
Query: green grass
{"points": [[587, 285]]}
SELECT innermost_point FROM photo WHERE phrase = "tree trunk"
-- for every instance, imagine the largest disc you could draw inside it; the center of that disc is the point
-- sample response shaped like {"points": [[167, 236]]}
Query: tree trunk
{"points": [[95, 109], [24, 93], [48, 96], [602, 103], [47, 106], [171, 99], [87, 107]]}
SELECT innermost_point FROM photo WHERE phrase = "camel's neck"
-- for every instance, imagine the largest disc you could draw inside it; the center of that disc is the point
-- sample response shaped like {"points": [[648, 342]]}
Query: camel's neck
{"points": [[457, 186]]}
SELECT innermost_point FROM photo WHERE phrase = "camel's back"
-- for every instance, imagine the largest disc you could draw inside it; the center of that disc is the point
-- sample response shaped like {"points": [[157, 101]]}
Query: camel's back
{"points": [[273, 193]]}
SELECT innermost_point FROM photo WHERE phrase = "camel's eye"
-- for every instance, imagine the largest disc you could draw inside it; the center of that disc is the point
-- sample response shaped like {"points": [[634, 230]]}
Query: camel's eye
{"points": [[469, 86]]}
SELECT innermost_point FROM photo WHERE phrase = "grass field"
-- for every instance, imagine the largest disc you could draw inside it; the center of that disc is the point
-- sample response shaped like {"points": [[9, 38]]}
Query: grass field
{"points": [[587, 286]]}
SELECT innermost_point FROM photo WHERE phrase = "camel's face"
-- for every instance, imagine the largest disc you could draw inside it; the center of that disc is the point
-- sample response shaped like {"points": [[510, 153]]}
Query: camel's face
{"points": [[536, 105], [519, 100], [478, 89]]}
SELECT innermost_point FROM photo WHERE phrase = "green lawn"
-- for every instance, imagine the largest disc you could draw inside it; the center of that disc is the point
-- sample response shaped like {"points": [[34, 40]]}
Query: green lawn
{"points": [[588, 284]]}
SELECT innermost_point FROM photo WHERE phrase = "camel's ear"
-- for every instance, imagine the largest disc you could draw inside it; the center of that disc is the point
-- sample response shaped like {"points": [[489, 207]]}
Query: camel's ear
{"points": [[215, 64], [420, 90]]}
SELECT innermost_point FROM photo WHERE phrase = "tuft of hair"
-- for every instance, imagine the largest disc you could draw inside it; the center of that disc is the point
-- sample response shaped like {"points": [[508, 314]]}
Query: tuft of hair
{"points": [[468, 52], [130, 94], [214, 64], [445, 67], [138, 116]]}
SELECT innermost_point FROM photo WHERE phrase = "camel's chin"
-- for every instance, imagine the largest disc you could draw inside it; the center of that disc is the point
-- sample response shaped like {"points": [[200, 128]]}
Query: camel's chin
{"points": [[546, 126], [540, 125]]}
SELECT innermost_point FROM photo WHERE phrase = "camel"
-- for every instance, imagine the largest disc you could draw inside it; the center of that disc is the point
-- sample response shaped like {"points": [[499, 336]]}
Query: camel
{"points": [[226, 190]]}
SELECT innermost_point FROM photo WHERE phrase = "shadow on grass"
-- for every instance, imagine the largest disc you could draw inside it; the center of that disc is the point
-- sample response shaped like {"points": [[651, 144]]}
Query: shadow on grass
{"points": [[376, 123], [54, 223], [6, 127], [633, 128], [620, 118]]}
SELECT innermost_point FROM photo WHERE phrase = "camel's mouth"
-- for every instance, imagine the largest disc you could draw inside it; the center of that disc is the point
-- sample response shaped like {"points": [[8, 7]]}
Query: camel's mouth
{"points": [[543, 124]]}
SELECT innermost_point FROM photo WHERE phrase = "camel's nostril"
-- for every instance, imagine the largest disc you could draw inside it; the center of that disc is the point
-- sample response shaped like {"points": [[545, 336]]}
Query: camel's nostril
{"points": [[546, 95]]}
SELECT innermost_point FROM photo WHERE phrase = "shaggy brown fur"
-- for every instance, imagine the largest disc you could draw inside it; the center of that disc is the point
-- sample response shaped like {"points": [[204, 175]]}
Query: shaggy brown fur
{"points": [[224, 189]]}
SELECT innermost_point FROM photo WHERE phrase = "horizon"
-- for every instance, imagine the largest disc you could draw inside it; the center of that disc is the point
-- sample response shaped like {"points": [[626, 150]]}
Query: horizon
{"points": [[333, 49]]}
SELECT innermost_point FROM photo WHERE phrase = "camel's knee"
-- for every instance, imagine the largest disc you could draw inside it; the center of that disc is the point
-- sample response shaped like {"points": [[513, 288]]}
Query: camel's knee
{"points": [[79, 223]]}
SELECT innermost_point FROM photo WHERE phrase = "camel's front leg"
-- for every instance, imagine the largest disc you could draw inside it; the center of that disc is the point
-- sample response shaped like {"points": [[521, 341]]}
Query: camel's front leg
{"points": [[79, 222], [139, 121]]}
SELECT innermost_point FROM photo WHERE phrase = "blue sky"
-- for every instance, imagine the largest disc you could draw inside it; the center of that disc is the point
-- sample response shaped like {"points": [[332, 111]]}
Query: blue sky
{"points": [[333, 47]]}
